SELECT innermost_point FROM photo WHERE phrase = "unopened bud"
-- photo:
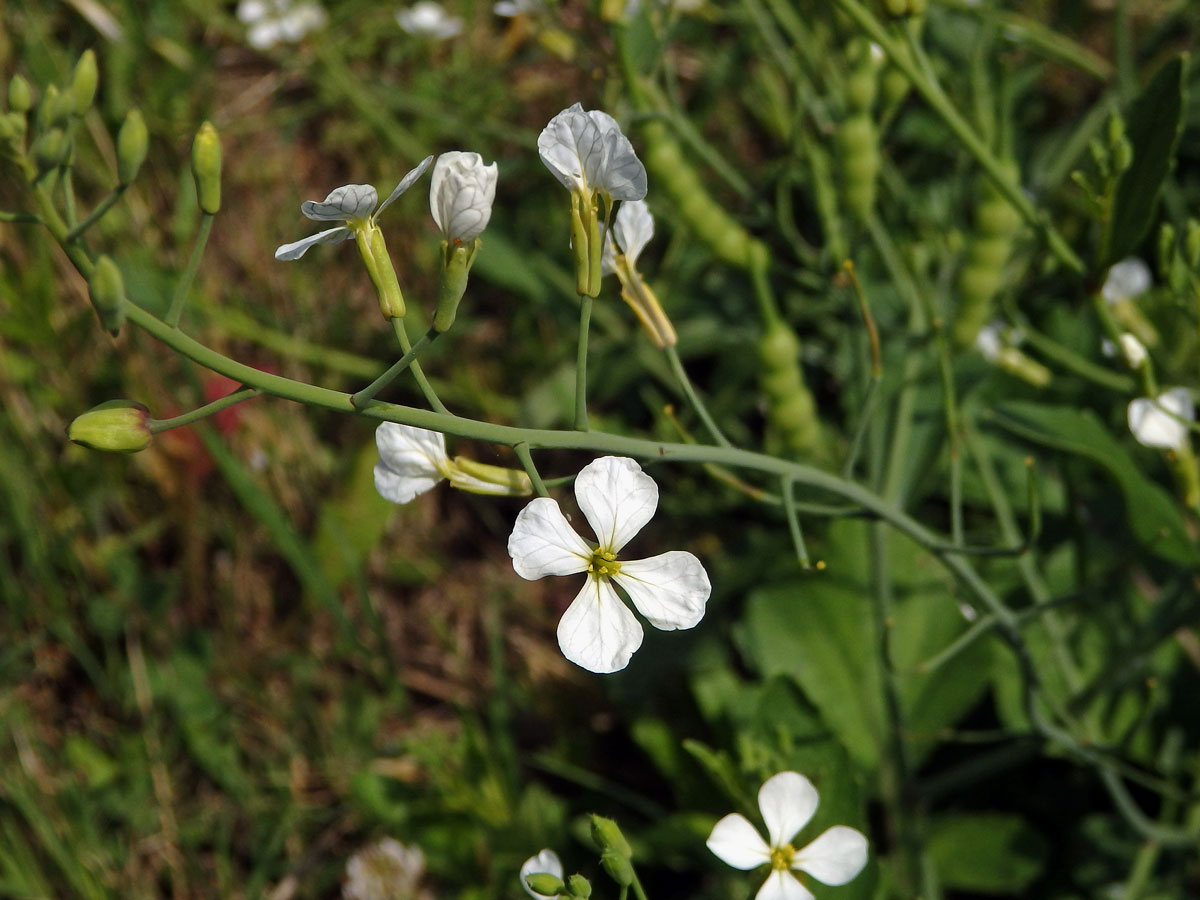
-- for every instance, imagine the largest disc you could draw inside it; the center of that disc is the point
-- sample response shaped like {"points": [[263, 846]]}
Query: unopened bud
{"points": [[55, 108], [1166, 247], [1191, 244], [578, 886], [1122, 154], [607, 835], [618, 867], [118, 426], [545, 884], [206, 168], [20, 97], [83, 83], [107, 289], [51, 149], [12, 127], [133, 140]]}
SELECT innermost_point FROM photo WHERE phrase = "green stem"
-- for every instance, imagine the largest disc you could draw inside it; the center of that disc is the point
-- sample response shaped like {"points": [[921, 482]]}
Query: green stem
{"points": [[179, 298], [363, 397], [427, 390], [203, 412], [788, 494], [581, 357], [689, 391], [98, 213], [522, 450]]}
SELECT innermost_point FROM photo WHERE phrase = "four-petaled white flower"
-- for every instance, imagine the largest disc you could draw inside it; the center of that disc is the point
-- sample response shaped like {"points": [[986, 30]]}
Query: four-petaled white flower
{"points": [[386, 870], [1156, 423], [428, 19], [412, 460], [588, 154], [631, 232], [351, 204], [461, 192], [546, 862], [1126, 280], [787, 802], [278, 21], [598, 632]]}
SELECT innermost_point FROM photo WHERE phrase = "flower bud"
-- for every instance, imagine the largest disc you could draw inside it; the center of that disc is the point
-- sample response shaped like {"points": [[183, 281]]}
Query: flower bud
{"points": [[578, 886], [12, 127], [206, 168], [84, 82], [618, 868], [132, 142], [545, 884], [607, 835], [118, 426], [1191, 243], [107, 290], [461, 192], [51, 149], [55, 109], [1166, 247], [20, 97]]}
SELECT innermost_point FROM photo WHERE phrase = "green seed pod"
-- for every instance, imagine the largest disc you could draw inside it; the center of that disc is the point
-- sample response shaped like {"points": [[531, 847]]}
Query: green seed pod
{"points": [[791, 412], [857, 144], [545, 884], [988, 251], [83, 83], [578, 886], [132, 143], [206, 168], [107, 289], [20, 97], [51, 149], [118, 426]]}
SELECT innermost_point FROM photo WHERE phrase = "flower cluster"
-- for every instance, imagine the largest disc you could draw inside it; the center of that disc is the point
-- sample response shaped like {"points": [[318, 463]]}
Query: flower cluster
{"points": [[1162, 421], [271, 22]]}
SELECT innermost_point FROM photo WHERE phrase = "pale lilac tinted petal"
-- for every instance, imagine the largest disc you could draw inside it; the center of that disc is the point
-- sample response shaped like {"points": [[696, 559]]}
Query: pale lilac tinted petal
{"points": [[669, 589], [633, 229], [736, 842], [835, 857], [405, 183], [350, 201], [545, 862], [572, 148], [787, 801], [297, 249], [783, 886], [1153, 424], [598, 632], [617, 498], [544, 543]]}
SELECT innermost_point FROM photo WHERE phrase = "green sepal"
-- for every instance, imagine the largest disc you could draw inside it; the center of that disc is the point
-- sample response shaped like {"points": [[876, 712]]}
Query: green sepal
{"points": [[456, 266], [545, 884]]}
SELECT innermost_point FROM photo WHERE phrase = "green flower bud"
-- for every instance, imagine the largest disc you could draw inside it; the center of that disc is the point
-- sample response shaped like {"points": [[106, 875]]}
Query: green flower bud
{"points": [[607, 835], [456, 265], [20, 97], [545, 884], [206, 168], [12, 127], [1191, 244], [83, 83], [51, 149], [132, 143], [618, 867], [118, 426], [903, 8], [55, 109], [578, 886], [1167, 252], [107, 289]]}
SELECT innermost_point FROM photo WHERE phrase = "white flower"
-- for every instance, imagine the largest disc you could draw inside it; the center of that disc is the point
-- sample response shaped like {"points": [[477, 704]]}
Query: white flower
{"points": [[587, 153], [461, 192], [631, 232], [510, 8], [428, 19], [546, 862], [386, 870], [787, 802], [351, 204], [412, 460], [1133, 350], [1126, 280], [278, 21], [990, 341], [1156, 423], [598, 632]]}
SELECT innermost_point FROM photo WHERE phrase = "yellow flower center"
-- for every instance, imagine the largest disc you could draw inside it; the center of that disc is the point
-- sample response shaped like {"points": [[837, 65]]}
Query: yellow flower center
{"points": [[781, 857], [603, 563]]}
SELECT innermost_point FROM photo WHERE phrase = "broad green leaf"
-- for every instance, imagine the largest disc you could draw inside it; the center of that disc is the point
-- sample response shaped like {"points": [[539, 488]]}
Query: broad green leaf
{"points": [[987, 853], [1153, 127], [1153, 516]]}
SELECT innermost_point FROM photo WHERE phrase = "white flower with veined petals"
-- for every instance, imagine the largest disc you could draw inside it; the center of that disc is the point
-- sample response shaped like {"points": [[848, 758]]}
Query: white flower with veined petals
{"points": [[546, 862], [1126, 280], [386, 870], [412, 460], [351, 204], [1156, 423], [598, 632], [461, 192], [631, 232], [274, 21], [428, 19], [587, 153], [787, 802]]}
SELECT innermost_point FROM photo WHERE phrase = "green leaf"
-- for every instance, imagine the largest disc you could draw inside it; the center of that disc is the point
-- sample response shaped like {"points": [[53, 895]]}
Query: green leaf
{"points": [[987, 853], [1154, 517], [1154, 125]]}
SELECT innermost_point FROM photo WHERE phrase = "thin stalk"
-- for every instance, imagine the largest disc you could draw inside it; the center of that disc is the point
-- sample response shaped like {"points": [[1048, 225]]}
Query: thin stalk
{"points": [[363, 397], [203, 412], [184, 286], [581, 357], [98, 213], [430, 394], [789, 506], [689, 391], [522, 450]]}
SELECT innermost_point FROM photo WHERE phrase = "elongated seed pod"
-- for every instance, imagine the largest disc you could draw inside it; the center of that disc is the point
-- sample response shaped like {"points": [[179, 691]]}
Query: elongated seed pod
{"points": [[791, 412], [997, 225], [857, 137]]}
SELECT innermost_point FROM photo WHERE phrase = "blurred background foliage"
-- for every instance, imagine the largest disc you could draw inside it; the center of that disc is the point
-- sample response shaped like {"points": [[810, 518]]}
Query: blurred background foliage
{"points": [[228, 663]]}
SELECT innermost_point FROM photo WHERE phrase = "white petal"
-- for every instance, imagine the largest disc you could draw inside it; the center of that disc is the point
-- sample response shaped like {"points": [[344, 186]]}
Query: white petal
{"points": [[350, 201], [1126, 280], [1153, 426], [1133, 350], [783, 886], [622, 174], [633, 229], [428, 19], [263, 35], [598, 632], [408, 449], [251, 11], [544, 543], [736, 842], [835, 857], [461, 193], [572, 148], [546, 862], [608, 256], [400, 488], [297, 249], [669, 589], [787, 801], [617, 498], [405, 183]]}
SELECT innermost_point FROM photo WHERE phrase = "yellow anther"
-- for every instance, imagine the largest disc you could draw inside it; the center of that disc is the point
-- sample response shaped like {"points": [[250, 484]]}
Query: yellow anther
{"points": [[781, 857]]}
